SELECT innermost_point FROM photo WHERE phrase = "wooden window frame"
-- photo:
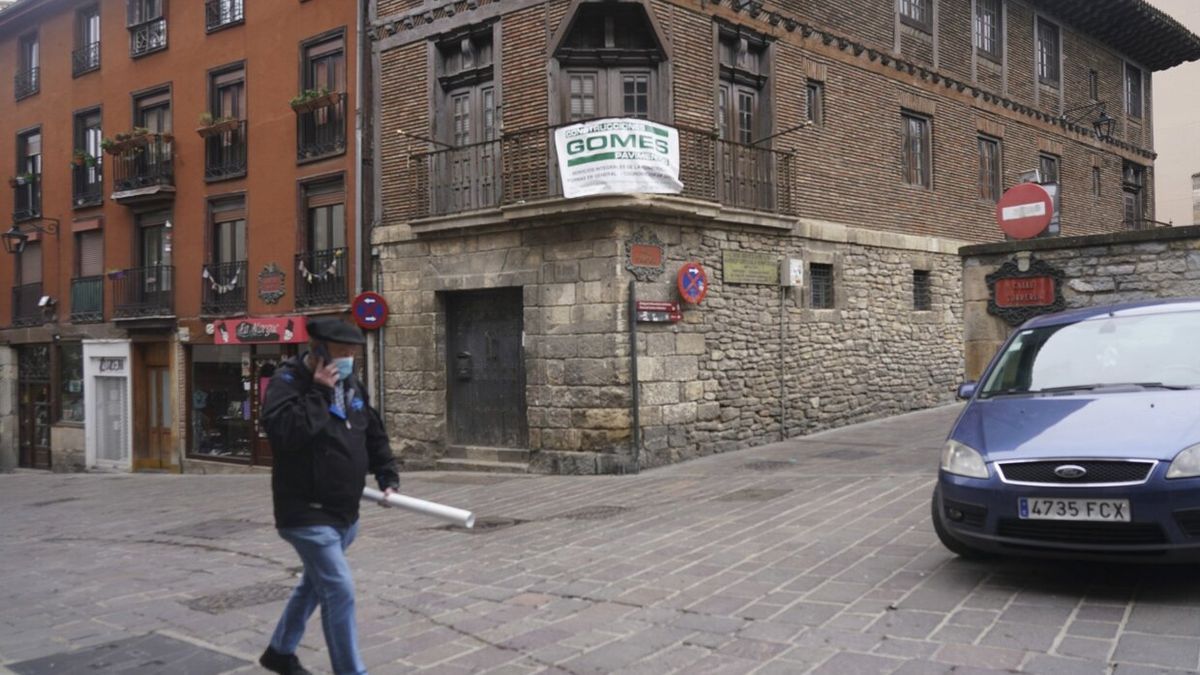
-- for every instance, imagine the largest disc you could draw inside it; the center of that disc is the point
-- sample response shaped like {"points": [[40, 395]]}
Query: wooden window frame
{"points": [[996, 52], [1044, 76], [991, 189], [738, 79], [814, 102], [1047, 159], [920, 174], [319, 46], [1135, 101], [925, 7], [1093, 85]]}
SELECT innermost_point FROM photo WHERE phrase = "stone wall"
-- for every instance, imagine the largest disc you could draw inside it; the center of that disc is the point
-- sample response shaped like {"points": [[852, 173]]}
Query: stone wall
{"points": [[1098, 270], [9, 453]]}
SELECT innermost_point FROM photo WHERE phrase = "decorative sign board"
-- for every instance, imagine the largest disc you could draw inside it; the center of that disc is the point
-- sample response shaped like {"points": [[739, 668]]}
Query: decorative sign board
{"points": [[274, 329], [644, 256], [271, 286], [649, 311], [1017, 295], [743, 267]]}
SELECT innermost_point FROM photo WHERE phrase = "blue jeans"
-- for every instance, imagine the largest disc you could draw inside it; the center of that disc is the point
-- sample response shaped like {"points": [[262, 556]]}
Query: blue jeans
{"points": [[326, 582]]}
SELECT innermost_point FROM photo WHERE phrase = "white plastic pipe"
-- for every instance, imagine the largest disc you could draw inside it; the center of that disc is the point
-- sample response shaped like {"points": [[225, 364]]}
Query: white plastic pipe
{"points": [[459, 517]]}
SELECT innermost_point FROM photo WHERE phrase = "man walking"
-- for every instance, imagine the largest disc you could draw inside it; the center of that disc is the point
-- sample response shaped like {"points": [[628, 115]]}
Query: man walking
{"points": [[324, 438]]}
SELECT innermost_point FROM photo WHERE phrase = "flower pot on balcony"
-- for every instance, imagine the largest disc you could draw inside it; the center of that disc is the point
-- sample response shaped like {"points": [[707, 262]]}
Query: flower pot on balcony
{"points": [[218, 127], [306, 103]]}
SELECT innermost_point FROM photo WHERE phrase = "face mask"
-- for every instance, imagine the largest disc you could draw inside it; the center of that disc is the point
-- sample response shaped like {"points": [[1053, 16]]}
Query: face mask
{"points": [[345, 366]]}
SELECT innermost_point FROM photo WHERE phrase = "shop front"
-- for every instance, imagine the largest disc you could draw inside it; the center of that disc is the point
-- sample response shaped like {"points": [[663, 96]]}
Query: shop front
{"points": [[228, 383], [107, 368]]}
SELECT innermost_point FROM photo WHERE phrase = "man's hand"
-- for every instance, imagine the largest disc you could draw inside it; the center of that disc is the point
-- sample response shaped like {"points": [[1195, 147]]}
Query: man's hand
{"points": [[325, 373], [387, 493]]}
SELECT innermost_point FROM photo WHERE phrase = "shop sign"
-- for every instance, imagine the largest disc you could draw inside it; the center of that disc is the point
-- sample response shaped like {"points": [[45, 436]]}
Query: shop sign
{"points": [[692, 282], [618, 156], [275, 329], [1019, 292], [112, 364], [370, 310], [743, 267], [644, 256], [649, 311], [271, 286]]}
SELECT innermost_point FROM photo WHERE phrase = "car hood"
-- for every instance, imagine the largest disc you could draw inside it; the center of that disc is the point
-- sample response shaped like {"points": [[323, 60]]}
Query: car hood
{"points": [[1152, 424]]}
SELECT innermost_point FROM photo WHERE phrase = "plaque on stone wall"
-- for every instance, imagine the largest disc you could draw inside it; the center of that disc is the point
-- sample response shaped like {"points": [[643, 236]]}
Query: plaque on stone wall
{"points": [[644, 256], [743, 267], [1017, 295]]}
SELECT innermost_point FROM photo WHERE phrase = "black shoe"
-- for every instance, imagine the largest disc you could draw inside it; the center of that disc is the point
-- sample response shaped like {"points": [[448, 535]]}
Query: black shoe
{"points": [[284, 664]]}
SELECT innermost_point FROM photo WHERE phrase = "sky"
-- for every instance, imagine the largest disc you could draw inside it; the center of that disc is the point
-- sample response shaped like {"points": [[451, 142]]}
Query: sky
{"points": [[1177, 125]]}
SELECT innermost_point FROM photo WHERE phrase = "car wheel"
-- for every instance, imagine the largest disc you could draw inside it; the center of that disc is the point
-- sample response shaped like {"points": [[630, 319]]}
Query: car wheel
{"points": [[955, 546]]}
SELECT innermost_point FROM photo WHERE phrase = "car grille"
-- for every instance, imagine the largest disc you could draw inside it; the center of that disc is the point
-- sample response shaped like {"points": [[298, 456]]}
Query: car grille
{"points": [[1189, 521], [1098, 471], [972, 514], [1067, 532]]}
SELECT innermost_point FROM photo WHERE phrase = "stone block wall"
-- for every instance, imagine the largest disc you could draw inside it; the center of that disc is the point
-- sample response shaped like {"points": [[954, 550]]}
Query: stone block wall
{"points": [[9, 452], [1098, 270]]}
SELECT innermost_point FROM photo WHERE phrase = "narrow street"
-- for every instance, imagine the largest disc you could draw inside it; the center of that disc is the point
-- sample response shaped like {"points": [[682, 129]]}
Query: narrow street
{"points": [[814, 555]]}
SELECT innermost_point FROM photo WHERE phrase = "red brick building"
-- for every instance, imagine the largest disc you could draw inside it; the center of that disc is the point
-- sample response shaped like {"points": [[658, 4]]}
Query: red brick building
{"points": [[867, 140], [184, 193]]}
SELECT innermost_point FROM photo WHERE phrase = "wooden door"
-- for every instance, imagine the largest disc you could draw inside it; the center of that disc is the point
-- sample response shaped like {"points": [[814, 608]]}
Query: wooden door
{"points": [[486, 368], [153, 409]]}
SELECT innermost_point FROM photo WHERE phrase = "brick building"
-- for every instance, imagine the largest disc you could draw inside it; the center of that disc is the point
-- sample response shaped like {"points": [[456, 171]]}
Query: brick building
{"points": [[184, 195], [867, 140]]}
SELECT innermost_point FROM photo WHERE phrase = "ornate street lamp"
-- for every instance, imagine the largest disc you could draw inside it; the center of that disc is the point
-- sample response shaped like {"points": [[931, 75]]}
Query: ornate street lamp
{"points": [[16, 238], [1104, 126]]}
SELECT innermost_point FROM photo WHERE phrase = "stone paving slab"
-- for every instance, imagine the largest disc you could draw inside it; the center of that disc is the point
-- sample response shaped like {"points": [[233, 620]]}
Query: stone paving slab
{"points": [[819, 558]]}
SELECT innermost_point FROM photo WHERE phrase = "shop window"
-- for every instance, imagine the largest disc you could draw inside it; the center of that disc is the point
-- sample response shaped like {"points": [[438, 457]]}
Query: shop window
{"points": [[220, 402], [70, 382]]}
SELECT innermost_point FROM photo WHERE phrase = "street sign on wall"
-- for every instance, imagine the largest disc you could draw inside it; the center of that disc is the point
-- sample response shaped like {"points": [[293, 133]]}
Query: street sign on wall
{"points": [[692, 282], [1025, 211]]}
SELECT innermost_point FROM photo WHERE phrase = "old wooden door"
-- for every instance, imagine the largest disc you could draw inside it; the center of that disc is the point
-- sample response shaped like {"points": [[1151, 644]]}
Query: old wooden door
{"points": [[33, 414], [486, 368], [153, 409]]}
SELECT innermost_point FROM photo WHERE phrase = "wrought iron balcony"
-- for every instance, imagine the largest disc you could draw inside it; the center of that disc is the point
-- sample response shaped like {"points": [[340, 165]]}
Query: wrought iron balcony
{"points": [[221, 13], [322, 130], [147, 37], [225, 153], [87, 184], [27, 196], [85, 59], [224, 289], [25, 310], [321, 278], [521, 166], [27, 82], [143, 292], [143, 166], [87, 299]]}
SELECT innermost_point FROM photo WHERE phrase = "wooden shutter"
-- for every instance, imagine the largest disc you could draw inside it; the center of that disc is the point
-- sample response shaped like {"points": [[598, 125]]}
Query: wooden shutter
{"points": [[31, 263], [326, 194], [91, 253]]}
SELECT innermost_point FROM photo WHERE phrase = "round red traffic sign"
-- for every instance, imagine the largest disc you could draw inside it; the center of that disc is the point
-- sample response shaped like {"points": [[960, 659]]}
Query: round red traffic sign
{"points": [[692, 282], [370, 310], [1024, 211]]}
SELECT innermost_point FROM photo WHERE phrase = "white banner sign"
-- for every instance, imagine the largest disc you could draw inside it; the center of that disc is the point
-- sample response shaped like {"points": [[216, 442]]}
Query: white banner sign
{"points": [[615, 156]]}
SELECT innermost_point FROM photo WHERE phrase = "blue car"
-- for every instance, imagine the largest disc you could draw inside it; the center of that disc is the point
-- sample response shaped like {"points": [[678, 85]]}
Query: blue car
{"points": [[1081, 440]]}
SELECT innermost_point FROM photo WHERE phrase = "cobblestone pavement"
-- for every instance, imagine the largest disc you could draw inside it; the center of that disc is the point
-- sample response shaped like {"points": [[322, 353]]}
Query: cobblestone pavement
{"points": [[814, 555]]}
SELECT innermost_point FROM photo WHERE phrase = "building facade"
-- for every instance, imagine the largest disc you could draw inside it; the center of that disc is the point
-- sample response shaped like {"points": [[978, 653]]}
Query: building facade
{"points": [[1196, 198], [856, 144], [183, 195]]}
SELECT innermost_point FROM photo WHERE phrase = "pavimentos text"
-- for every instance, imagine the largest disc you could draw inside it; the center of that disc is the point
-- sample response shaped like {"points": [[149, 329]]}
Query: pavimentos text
{"points": [[1081, 440]]}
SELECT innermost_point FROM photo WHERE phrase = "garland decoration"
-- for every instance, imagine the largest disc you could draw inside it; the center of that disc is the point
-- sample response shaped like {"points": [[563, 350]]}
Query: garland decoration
{"points": [[327, 273], [218, 287]]}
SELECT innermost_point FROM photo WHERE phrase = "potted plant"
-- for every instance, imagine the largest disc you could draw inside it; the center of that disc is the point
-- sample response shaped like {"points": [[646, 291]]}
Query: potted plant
{"points": [[20, 180], [83, 158], [313, 99], [211, 126]]}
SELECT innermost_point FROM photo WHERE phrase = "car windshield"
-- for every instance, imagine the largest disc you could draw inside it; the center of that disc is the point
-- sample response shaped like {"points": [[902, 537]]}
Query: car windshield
{"points": [[1146, 350]]}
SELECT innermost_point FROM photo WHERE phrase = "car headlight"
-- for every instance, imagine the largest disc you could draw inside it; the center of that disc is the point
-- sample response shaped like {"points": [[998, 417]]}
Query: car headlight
{"points": [[964, 460], [1186, 464]]}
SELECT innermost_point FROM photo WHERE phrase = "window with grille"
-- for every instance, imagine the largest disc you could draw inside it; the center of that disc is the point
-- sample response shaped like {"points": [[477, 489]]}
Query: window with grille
{"points": [[922, 291], [990, 169], [820, 279], [1048, 53], [917, 13], [916, 157], [988, 28], [1133, 184], [1133, 91]]}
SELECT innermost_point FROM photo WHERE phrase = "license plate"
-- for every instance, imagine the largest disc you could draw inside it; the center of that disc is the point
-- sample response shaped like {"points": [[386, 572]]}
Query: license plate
{"points": [[1103, 510]]}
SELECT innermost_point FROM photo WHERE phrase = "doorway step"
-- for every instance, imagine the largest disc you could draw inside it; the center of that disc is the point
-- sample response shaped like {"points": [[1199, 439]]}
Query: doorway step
{"points": [[493, 460]]}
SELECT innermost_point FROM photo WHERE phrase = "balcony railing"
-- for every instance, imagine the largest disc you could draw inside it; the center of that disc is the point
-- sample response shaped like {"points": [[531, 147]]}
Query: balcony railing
{"points": [[27, 197], [85, 59], [224, 289], [143, 292], [145, 162], [27, 82], [87, 299], [522, 166], [321, 131], [25, 310], [321, 278], [87, 184], [147, 37], [221, 13], [225, 153]]}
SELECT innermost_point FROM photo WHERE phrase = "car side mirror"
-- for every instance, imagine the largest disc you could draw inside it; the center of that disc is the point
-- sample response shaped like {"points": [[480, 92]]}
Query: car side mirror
{"points": [[966, 390]]}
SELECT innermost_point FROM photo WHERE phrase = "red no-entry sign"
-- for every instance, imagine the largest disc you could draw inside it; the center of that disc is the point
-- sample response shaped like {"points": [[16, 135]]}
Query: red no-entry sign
{"points": [[1024, 211]]}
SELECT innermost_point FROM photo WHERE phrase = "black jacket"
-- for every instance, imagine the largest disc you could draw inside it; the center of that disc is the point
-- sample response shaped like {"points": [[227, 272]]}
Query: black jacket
{"points": [[320, 458]]}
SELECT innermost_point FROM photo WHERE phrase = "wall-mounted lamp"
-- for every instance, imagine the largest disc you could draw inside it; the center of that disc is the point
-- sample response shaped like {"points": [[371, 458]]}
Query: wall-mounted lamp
{"points": [[1103, 124], [16, 237]]}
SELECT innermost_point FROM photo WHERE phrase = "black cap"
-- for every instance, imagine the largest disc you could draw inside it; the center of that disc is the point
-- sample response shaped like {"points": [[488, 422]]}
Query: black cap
{"points": [[335, 330]]}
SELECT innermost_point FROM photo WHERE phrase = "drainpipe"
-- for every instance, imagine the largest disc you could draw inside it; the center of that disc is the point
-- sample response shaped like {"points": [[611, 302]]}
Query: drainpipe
{"points": [[358, 146]]}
